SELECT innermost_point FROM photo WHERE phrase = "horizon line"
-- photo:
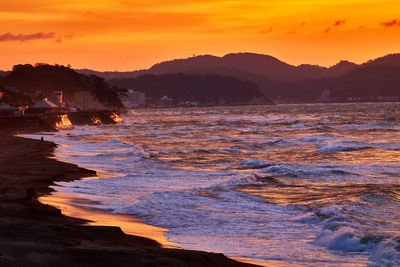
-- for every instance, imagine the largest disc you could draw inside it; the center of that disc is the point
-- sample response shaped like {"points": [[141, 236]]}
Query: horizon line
{"points": [[194, 56]]}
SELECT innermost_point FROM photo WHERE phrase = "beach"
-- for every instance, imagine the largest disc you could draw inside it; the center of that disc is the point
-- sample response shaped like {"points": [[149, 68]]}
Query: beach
{"points": [[36, 234], [290, 185]]}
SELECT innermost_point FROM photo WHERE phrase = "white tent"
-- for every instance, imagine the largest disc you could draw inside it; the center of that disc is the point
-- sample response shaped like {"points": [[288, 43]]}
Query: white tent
{"points": [[44, 103]]}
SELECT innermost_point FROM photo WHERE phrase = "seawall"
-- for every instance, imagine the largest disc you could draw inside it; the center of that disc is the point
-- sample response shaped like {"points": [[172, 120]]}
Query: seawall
{"points": [[94, 117], [25, 124], [58, 121]]}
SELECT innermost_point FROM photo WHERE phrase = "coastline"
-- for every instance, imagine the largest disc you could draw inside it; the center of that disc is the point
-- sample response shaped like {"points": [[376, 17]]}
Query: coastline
{"points": [[36, 234], [76, 207]]}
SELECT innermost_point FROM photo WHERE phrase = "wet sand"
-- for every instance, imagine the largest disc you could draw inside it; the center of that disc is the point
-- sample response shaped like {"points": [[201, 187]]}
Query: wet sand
{"points": [[36, 234], [81, 208]]}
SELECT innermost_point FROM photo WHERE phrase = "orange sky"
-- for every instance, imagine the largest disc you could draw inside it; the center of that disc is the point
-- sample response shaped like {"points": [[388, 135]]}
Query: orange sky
{"points": [[132, 34]]}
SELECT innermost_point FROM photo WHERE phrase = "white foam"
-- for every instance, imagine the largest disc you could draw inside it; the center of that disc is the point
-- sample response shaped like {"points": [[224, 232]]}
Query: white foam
{"points": [[344, 239], [331, 210], [254, 163], [364, 126], [313, 138], [223, 138], [174, 168], [387, 253], [307, 218], [332, 146]]}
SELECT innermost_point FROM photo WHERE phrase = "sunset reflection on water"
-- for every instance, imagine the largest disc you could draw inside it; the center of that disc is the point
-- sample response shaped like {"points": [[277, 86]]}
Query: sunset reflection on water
{"points": [[290, 185]]}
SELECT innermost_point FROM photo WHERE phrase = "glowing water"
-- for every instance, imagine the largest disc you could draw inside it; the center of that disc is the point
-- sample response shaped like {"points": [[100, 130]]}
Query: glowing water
{"points": [[295, 185], [115, 117], [64, 122], [96, 120]]}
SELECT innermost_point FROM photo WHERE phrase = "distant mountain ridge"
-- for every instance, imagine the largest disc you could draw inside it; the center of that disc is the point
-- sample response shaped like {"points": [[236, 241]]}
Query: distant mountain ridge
{"points": [[367, 83], [374, 79], [245, 65]]}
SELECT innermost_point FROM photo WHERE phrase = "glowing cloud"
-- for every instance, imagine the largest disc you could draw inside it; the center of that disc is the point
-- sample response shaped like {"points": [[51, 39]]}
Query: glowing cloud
{"points": [[339, 23], [135, 34], [336, 24], [26, 37], [391, 23]]}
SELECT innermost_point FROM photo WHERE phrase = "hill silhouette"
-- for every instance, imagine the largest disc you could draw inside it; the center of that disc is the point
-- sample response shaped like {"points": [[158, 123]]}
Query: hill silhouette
{"points": [[388, 60], [210, 89], [3, 73], [305, 82], [368, 82], [260, 73], [46, 78], [250, 63]]}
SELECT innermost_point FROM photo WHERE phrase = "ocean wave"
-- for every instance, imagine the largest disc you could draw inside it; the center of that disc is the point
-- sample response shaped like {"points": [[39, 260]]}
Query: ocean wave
{"points": [[133, 154], [332, 146], [254, 164], [113, 143], [313, 138], [387, 253], [308, 218], [224, 138], [347, 239], [337, 146], [346, 232], [372, 126], [248, 180], [276, 142], [305, 170]]}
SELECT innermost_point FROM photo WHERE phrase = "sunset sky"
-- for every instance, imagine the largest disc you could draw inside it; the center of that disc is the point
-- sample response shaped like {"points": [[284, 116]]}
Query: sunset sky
{"points": [[132, 34]]}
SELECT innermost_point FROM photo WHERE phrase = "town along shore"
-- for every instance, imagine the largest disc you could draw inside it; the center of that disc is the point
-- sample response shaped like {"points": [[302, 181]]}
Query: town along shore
{"points": [[35, 234]]}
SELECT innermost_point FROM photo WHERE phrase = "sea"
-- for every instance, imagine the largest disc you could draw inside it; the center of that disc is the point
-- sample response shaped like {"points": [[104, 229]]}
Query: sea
{"points": [[290, 185]]}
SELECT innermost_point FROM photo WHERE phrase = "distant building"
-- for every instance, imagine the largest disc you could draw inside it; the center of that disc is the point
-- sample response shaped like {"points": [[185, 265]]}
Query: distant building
{"points": [[165, 101], [44, 106], [57, 98], [354, 99], [133, 99], [188, 104], [326, 96], [388, 98], [44, 103]]}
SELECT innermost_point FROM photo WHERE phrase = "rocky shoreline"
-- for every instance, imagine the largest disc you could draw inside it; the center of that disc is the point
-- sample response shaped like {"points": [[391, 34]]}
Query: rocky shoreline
{"points": [[35, 234]]}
